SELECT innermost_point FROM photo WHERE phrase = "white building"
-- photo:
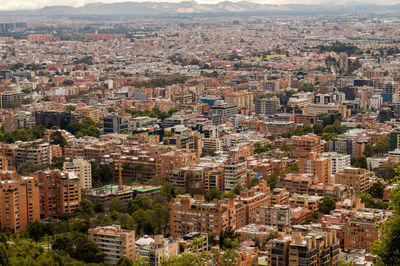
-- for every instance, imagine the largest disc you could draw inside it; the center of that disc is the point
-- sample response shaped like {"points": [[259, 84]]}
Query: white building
{"points": [[338, 161], [83, 169]]}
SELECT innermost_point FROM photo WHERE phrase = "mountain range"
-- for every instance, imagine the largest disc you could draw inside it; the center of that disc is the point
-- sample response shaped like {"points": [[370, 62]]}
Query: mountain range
{"points": [[192, 7]]}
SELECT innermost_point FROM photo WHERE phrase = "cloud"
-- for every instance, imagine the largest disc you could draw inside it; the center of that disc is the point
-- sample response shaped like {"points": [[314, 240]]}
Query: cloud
{"points": [[34, 4]]}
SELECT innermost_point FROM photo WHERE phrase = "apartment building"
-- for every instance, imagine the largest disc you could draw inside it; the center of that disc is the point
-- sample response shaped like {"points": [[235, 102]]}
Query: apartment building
{"points": [[188, 178], [52, 118], [259, 232], [235, 173], [311, 249], [37, 152], [19, 203], [276, 215], [253, 198], [296, 183], [224, 110], [89, 113], [93, 152], [266, 106], [357, 178], [316, 165], [241, 99], [141, 168], [195, 215], [59, 192], [157, 248], [338, 162], [363, 228], [302, 146], [114, 242], [84, 170], [16, 121]]}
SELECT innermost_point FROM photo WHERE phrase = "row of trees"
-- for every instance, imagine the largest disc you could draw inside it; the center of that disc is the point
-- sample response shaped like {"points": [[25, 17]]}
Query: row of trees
{"points": [[85, 128], [161, 82], [26, 134], [155, 113]]}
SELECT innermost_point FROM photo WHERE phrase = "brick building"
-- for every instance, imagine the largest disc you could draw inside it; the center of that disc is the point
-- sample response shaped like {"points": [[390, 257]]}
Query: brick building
{"points": [[318, 166], [114, 242], [363, 228], [59, 192], [302, 146], [19, 203], [357, 178]]}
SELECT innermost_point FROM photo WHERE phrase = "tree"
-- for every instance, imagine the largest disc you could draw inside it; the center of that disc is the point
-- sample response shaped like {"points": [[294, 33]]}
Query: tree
{"points": [[182, 260], [376, 190], [85, 208], [361, 162], [387, 248], [369, 150], [4, 261], [124, 261], [70, 108], [168, 133], [115, 204], [237, 189], [35, 231], [86, 250], [229, 257], [386, 172], [168, 191], [229, 239], [382, 146], [254, 181], [272, 179], [285, 147], [62, 242], [27, 167], [213, 194], [328, 204], [103, 174]]}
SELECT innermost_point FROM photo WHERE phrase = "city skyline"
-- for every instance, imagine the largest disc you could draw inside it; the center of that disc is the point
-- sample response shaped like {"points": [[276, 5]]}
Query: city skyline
{"points": [[28, 4]]}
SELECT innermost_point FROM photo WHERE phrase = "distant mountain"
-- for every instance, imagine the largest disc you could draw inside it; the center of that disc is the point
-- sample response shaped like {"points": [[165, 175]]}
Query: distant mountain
{"points": [[192, 7]]}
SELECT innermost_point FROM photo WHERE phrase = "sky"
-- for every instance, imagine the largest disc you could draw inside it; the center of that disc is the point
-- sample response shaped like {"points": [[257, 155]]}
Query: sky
{"points": [[34, 4]]}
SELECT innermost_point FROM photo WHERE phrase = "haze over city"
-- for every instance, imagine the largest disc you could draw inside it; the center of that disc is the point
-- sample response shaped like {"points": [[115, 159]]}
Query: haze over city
{"points": [[35, 4], [199, 133]]}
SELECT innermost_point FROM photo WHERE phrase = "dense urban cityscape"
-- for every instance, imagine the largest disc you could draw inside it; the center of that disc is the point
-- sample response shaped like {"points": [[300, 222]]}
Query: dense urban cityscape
{"points": [[219, 139]]}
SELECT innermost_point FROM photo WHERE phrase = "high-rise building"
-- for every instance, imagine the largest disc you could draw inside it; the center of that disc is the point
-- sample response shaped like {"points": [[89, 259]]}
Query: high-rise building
{"points": [[343, 61], [19, 203], [276, 215], [84, 170], [59, 192], [113, 123], [241, 99], [311, 249], [196, 215], [363, 228], [338, 161], [224, 110], [115, 242], [37, 152], [10, 99], [357, 178], [266, 106], [52, 118], [316, 165], [302, 146], [235, 173], [394, 140]]}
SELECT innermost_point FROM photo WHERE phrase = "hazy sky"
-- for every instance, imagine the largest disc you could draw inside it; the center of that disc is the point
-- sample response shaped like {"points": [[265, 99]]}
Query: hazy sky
{"points": [[31, 4]]}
